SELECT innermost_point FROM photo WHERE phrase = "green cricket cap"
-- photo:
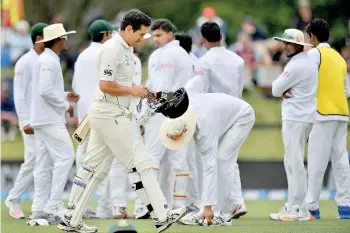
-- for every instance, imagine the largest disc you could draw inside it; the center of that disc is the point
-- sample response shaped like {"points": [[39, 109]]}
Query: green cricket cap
{"points": [[38, 29], [122, 226], [100, 26]]}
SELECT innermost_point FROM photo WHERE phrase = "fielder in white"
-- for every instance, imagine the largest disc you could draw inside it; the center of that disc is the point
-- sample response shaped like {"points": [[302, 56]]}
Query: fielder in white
{"points": [[194, 162], [84, 83], [221, 70], [113, 135], [328, 136], [299, 81], [22, 96], [49, 104], [219, 124], [169, 68]]}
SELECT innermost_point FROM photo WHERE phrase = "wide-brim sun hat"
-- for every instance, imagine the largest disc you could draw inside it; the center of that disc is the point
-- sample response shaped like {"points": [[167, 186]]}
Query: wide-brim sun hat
{"points": [[294, 36], [176, 133], [54, 31]]}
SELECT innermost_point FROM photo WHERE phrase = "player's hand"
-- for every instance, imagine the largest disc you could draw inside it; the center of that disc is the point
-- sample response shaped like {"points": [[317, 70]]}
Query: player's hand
{"points": [[208, 214], [70, 111], [139, 91], [73, 97], [142, 130], [28, 129], [288, 94]]}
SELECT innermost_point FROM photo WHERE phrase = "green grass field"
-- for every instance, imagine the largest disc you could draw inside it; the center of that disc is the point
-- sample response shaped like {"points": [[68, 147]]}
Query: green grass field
{"points": [[256, 221]]}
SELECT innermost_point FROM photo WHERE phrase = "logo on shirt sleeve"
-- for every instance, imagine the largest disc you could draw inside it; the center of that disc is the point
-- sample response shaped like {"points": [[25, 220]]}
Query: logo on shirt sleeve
{"points": [[108, 72], [286, 74]]}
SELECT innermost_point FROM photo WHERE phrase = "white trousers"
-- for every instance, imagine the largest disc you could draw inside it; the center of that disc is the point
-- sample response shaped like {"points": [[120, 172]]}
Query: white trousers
{"points": [[295, 135], [54, 161], [112, 133], [229, 180], [25, 175], [195, 181], [328, 142], [113, 189], [169, 164]]}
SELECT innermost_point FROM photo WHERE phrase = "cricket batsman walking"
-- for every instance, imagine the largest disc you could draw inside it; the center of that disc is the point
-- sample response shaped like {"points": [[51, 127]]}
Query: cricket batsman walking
{"points": [[110, 119]]}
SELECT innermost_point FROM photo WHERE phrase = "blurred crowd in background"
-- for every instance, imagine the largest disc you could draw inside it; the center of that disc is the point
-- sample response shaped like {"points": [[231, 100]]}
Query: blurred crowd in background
{"points": [[264, 58]]}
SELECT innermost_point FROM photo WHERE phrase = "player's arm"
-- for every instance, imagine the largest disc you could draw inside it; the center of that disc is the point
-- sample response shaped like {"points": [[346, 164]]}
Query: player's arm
{"points": [[285, 81], [240, 77], [21, 86], [46, 86], [200, 82], [347, 86], [108, 66]]}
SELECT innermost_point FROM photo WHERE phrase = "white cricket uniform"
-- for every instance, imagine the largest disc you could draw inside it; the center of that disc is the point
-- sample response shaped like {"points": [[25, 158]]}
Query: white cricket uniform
{"points": [[223, 124], [328, 142], [112, 192], [112, 132], [22, 97], [84, 83], [47, 116], [169, 68], [298, 114], [221, 71]]}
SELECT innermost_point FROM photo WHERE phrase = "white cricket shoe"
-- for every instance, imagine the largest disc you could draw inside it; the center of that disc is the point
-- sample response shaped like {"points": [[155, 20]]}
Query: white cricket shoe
{"points": [[173, 217], [15, 210], [81, 228], [218, 220], [119, 212], [90, 213], [141, 213], [239, 211], [54, 214], [104, 212], [294, 215], [192, 218], [276, 216]]}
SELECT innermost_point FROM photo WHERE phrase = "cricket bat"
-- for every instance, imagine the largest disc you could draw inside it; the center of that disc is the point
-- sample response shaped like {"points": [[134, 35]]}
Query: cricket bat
{"points": [[82, 131]]}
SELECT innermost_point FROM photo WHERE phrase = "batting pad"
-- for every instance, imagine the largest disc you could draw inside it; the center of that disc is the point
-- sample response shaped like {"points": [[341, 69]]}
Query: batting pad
{"points": [[82, 131]]}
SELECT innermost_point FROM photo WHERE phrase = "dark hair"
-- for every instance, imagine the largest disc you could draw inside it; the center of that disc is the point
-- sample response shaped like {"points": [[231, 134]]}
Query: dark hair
{"points": [[185, 41], [34, 38], [318, 28], [164, 24], [98, 37], [136, 19], [211, 32], [49, 44]]}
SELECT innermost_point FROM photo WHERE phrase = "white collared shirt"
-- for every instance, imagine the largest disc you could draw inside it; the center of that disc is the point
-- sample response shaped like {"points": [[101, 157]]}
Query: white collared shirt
{"points": [[23, 86], [315, 56], [86, 76], [218, 71], [116, 63], [301, 76], [49, 100], [169, 68]]}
